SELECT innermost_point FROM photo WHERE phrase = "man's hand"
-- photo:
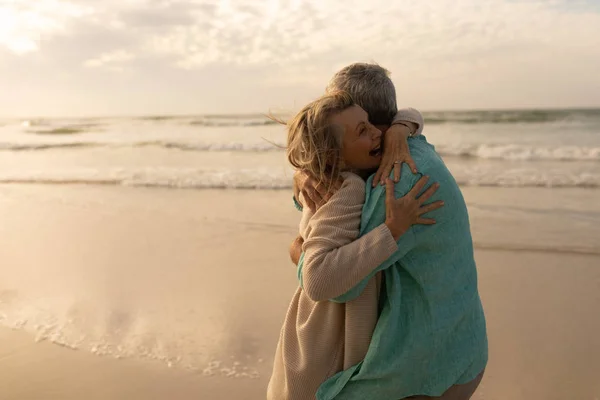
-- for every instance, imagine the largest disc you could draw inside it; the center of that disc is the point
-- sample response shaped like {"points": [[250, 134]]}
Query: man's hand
{"points": [[314, 195], [395, 152], [296, 250]]}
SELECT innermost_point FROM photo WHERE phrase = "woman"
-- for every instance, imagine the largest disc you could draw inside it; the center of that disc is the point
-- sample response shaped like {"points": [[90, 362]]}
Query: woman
{"points": [[332, 139]]}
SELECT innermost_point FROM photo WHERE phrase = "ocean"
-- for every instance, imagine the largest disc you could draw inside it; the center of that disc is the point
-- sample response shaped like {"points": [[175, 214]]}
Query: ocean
{"points": [[518, 148]]}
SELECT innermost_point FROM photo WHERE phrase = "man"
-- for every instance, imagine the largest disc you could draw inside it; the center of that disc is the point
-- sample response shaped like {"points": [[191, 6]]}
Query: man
{"points": [[430, 338]]}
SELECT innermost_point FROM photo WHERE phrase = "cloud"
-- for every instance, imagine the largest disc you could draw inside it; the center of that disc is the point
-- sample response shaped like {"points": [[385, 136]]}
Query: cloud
{"points": [[454, 52], [24, 23], [114, 60], [194, 33], [272, 32]]}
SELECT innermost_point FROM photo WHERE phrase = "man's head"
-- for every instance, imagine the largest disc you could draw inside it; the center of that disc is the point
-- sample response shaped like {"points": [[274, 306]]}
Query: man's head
{"points": [[371, 88]]}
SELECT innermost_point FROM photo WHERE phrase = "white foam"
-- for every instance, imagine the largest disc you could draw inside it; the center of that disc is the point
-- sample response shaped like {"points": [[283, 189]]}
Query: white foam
{"points": [[521, 152], [482, 151], [72, 325], [269, 179]]}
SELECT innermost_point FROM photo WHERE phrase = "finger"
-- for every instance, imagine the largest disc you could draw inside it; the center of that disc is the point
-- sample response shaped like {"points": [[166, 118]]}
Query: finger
{"points": [[428, 193], [321, 189], [397, 169], [338, 184], [309, 180], [308, 202], [418, 186], [296, 190], [377, 176], [385, 174], [317, 197], [320, 203], [306, 175], [425, 221], [430, 207], [390, 197], [389, 192], [335, 186], [411, 163]]}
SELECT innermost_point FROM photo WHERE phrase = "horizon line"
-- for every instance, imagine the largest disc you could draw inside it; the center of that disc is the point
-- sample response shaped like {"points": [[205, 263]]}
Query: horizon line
{"points": [[254, 114]]}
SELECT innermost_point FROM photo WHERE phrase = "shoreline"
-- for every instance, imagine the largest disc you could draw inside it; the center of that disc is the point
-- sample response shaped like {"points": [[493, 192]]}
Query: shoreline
{"points": [[537, 331]]}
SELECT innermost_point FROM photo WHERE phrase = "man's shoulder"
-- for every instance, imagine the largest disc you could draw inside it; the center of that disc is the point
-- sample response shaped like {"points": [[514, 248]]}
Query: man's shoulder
{"points": [[427, 159], [421, 150], [429, 163]]}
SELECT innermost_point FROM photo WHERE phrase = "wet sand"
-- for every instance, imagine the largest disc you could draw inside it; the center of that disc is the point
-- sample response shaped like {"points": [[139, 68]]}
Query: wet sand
{"points": [[128, 293]]}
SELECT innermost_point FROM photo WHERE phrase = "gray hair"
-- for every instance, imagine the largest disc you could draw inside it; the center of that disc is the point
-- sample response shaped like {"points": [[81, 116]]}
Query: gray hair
{"points": [[371, 88]]}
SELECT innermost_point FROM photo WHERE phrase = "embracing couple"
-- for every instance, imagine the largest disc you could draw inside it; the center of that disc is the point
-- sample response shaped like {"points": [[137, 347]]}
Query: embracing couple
{"points": [[387, 306]]}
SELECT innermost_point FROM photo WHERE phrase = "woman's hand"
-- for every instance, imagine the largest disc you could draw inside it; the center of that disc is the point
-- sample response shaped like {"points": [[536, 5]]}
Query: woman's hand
{"points": [[296, 250], [315, 195], [402, 213], [395, 152]]}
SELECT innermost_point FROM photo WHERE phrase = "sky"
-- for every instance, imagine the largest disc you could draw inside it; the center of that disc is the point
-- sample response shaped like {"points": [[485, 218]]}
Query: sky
{"points": [[156, 57]]}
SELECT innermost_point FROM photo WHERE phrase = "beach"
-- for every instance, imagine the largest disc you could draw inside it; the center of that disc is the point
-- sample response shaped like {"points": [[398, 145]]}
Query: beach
{"points": [[146, 192], [149, 293], [147, 257]]}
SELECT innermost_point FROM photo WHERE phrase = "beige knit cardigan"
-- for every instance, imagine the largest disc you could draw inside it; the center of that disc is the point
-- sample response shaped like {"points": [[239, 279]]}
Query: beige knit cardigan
{"points": [[320, 338]]}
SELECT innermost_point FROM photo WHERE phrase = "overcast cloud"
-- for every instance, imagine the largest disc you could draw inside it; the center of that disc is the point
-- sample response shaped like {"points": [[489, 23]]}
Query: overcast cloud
{"points": [[109, 57]]}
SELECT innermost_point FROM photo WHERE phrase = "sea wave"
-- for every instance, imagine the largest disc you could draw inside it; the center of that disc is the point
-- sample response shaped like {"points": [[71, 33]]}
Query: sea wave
{"points": [[47, 146], [64, 130], [255, 147], [117, 333], [513, 116], [521, 153], [60, 127], [481, 151], [523, 116], [227, 123], [269, 179], [217, 147]]}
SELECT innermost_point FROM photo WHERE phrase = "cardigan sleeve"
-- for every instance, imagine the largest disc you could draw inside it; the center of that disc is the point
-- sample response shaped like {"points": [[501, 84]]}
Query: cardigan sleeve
{"points": [[411, 115], [335, 258]]}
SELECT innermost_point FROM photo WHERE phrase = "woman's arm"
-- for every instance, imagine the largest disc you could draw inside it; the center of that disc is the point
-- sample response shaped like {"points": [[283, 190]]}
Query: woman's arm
{"points": [[335, 259], [409, 117], [408, 122]]}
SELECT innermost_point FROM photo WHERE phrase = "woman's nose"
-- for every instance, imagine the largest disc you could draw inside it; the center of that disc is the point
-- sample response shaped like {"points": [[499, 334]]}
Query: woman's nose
{"points": [[375, 133]]}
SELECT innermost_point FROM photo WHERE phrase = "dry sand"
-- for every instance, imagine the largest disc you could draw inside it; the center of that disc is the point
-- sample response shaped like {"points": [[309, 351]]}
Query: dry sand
{"points": [[205, 276]]}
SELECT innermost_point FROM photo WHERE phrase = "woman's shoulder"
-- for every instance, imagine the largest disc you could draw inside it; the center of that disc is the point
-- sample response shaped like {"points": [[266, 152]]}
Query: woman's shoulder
{"points": [[346, 203], [353, 186]]}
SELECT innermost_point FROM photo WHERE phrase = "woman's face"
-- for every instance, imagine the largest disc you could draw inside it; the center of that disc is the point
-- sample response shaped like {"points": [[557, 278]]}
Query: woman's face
{"points": [[361, 144]]}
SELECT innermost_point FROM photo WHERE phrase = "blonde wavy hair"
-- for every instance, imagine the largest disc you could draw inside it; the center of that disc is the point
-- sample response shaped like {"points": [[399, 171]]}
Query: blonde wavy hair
{"points": [[314, 143]]}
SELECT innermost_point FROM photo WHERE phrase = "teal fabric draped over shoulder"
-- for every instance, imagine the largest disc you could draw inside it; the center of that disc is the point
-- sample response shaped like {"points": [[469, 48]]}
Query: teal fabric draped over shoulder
{"points": [[431, 333]]}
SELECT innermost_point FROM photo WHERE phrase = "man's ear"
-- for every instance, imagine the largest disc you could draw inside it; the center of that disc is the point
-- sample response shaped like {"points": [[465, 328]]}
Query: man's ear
{"points": [[382, 128]]}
